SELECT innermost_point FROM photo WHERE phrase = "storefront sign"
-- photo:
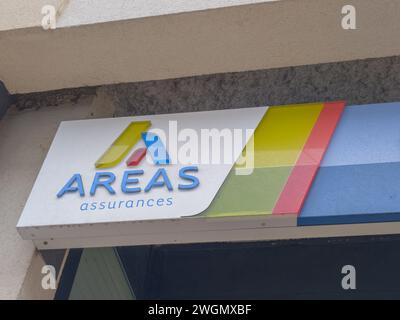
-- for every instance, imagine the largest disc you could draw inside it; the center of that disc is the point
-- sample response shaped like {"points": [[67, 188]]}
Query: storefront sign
{"points": [[240, 174]]}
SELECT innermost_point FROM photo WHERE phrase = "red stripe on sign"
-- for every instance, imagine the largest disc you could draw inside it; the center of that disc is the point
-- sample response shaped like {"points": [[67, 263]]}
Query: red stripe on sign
{"points": [[300, 180], [136, 157]]}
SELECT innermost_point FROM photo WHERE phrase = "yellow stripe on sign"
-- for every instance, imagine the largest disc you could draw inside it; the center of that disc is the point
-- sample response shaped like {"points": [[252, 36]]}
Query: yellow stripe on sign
{"points": [[123, 144], [282, 134]]}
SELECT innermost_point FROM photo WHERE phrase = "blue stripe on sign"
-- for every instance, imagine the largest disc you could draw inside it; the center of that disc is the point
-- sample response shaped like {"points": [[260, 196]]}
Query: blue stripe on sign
{"points": [[366, 134], [353, 194]]}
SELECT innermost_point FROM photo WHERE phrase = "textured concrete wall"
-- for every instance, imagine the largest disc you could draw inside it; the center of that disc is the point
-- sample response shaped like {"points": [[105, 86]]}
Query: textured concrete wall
{"points": [[361, 81]]}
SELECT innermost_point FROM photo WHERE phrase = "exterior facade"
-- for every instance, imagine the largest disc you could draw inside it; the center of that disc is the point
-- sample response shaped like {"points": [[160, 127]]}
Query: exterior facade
{"points": [[122, 60]]}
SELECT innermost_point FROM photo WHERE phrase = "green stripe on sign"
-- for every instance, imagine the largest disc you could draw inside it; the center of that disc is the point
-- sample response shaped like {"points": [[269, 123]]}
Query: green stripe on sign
{"points": [[249, 195]]}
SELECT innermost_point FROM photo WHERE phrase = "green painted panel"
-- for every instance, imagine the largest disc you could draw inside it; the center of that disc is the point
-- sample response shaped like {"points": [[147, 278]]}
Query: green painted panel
{"points": [[249, 195], [100, 276]]}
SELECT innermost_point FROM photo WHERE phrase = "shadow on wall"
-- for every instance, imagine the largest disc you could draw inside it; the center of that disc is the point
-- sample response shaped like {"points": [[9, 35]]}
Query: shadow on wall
{"points": [[5, 99]]}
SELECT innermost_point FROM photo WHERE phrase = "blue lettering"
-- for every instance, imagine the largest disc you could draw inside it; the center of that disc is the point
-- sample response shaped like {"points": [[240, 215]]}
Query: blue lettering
{"points": [[129, 184], [195, 181], [111, 206], [140, 203], [126, 180], [84, 206], [98, 182], [76, 178], [155, 183]]}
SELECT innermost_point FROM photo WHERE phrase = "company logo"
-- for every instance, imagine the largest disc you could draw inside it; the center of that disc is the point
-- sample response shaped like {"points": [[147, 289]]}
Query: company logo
{"points": [[127, 140], [129, 184]]}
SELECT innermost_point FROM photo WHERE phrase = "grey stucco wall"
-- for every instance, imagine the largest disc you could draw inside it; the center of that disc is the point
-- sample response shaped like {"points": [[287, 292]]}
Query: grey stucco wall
{"points": [[360, 81], [363, 81]]}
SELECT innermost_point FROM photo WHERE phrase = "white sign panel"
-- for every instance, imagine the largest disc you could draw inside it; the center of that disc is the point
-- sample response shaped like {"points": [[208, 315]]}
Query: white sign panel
{"points": [[102, 175]]}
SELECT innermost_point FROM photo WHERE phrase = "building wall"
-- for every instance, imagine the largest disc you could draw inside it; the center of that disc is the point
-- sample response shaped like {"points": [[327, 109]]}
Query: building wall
{"points": [[16, 14], [120, 43], [25, 137], [29, 126]]}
